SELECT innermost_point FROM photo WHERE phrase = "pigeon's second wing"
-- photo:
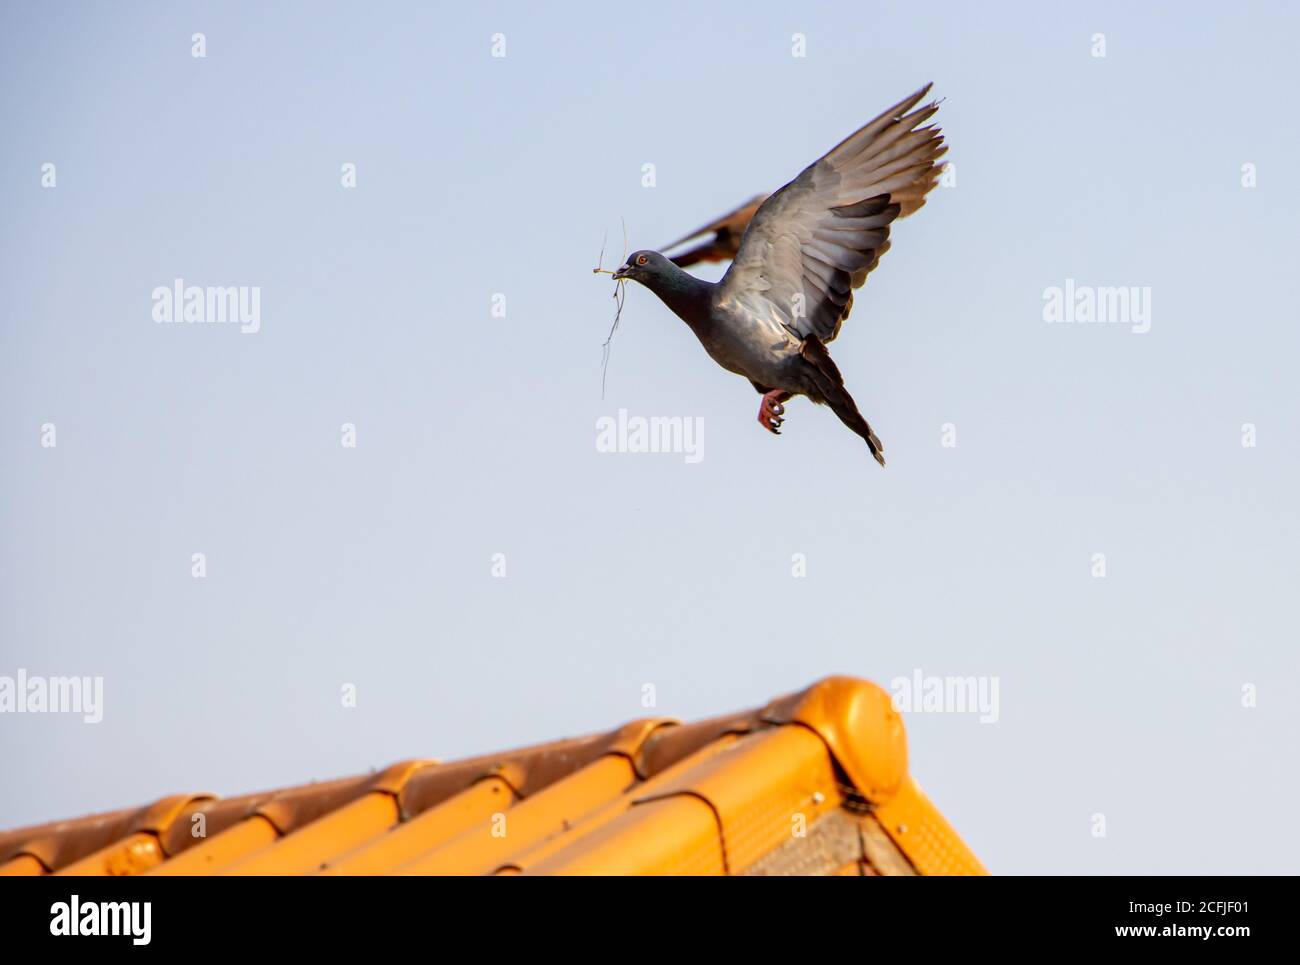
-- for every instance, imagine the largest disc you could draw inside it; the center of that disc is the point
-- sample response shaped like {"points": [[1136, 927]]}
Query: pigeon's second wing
{"points": [[814, 241], [726, 232]]}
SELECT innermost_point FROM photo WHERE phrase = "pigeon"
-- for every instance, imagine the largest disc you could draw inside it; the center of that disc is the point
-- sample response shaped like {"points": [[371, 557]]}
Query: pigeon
{"points": [[796, 258]]}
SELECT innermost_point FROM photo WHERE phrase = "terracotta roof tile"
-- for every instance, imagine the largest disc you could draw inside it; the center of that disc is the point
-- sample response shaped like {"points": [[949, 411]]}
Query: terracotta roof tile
{"points": [[815, 782]]}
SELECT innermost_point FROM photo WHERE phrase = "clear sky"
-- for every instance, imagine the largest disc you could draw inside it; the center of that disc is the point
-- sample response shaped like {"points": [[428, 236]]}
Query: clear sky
{"points": [[1120, 696]]}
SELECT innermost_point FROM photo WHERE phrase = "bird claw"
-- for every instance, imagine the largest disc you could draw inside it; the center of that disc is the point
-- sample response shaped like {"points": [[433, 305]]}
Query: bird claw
{"points": [[771, 411]]}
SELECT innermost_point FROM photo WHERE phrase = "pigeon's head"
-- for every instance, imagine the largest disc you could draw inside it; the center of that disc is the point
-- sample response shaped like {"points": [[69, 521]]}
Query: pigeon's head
{"points": [[644, 266]]}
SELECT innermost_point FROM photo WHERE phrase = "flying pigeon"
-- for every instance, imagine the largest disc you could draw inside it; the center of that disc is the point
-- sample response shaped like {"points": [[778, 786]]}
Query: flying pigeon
{"points": [[796, 258]]}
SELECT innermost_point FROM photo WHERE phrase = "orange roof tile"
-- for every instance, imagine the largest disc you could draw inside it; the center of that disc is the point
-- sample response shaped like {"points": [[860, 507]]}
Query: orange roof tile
{"points": [[815, 782]]}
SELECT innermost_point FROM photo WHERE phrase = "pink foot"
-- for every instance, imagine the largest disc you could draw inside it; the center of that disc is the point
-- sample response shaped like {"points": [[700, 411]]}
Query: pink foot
{"points": [[770, 410]]}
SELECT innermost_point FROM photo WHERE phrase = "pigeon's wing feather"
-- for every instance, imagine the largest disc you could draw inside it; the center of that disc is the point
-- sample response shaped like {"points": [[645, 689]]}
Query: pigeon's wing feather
{"points": [[726, 231], [814, 241]]}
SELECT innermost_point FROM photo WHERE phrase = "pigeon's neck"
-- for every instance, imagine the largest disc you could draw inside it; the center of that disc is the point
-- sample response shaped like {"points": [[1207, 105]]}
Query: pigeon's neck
{"points": [[689, 297]]}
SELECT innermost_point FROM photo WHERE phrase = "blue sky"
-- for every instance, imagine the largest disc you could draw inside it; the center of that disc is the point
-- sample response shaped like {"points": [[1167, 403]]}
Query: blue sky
{"points": [[476, 435]]}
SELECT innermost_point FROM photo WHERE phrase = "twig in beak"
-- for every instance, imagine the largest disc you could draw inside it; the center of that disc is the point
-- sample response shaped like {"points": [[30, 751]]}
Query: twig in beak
{"points": [[598, 270], [620, 295]]}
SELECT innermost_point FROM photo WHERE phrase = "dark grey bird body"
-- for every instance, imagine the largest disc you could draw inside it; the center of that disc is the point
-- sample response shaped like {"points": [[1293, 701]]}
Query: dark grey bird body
{"points": [[765, 353], [808, 246]]}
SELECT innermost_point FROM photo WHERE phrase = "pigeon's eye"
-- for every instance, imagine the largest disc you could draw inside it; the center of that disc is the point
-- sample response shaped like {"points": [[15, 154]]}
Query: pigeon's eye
{"points": [[641, 259]]}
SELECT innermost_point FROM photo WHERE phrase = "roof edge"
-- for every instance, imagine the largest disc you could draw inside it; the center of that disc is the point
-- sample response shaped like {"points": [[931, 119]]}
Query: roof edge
{"points": [[860, 725]]}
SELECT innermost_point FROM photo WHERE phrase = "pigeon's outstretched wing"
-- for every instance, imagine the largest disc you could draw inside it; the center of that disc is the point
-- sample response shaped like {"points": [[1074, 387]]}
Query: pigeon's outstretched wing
{"points": [[814, 241], [726, 232]]}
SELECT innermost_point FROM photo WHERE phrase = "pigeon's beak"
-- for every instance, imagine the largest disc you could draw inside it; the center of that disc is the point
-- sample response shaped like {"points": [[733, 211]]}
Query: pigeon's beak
{"points": [[622, 272]]}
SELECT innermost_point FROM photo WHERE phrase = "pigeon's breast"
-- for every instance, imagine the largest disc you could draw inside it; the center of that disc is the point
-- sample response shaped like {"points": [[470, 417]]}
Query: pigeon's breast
{"points": [[752, 345]]}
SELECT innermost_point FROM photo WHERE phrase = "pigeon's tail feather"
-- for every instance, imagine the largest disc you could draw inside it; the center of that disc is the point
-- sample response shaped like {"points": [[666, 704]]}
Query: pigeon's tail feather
{"points": [[830, 385], [847, 410]]}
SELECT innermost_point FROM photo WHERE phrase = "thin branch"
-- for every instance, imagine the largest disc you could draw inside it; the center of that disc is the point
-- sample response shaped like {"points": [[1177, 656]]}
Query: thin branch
{"points": [[620, 295]]}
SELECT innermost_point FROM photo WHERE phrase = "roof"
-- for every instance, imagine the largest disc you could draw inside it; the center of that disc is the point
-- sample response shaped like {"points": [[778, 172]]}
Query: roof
{"points": [[814, 782]]}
